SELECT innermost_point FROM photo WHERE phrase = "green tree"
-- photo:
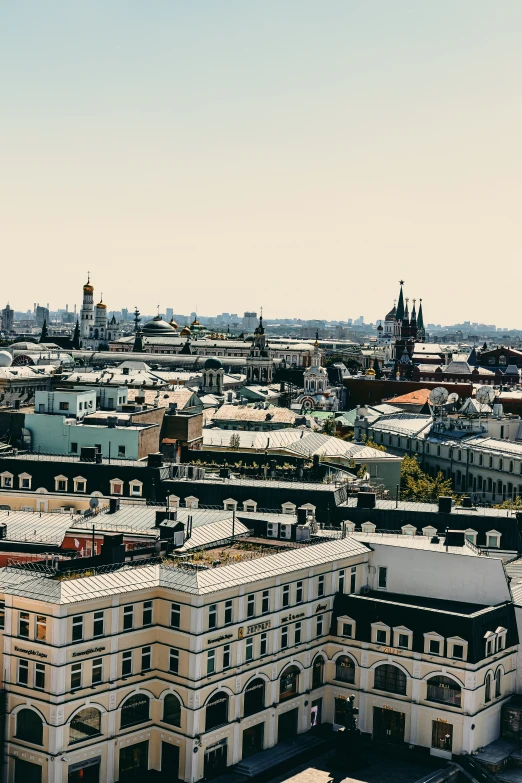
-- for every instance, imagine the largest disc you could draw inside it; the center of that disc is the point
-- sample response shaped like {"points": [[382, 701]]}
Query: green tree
{"points": [[329, 426], [418, 485], [372, 444], [515, 503], [235, 441]]}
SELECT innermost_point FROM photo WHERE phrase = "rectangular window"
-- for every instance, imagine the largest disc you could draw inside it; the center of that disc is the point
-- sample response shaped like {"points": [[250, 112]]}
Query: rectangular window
{"points": [[62, 485], [23, 625], [76, 676], [147, 613], [348, 630], [64, 406], [284, 638], [265, 602], [404, 641], [23, 672], [212, 616], [249, 649], [434, 647], [26, 483], [211, 662], [251, 605], [121, 451], [297, 633], [74, 448], [97, 671], [175, 615], [458, 651], [319, 629], [41, 628], [146, 658], [174, 661], [493, 542], [263, 644], [226, 656], [353, 579], [341, 581], [77, 628], [228, 612], [383, 576], [80, 486], [39, 676], [380, 637], [299, 593], [286, 596], [97, 626], [128, 618], [2, 615], [320, 586], [126, 663]]}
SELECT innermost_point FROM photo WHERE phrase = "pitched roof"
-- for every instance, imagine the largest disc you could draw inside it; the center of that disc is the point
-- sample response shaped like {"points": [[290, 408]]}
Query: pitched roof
{"points": [[419, 397]]}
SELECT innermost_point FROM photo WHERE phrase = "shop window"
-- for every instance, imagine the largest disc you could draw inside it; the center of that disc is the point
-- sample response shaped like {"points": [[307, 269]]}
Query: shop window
{"points": [[216, 713], [172, 710], [444, 690], [85, 724], [135, 710], [442, 735], [254, 700], [318, 671], [345, 669], [289, 683], [390, 678], [29, 727]]}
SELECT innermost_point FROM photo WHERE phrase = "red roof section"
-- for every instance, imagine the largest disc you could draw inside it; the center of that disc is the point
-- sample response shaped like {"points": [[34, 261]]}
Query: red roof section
{"points": [[414, 398]]}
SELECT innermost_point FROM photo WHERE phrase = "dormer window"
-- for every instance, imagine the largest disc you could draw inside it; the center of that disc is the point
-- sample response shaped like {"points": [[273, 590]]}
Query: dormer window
{"points": [[7, 480], [116, 487], [230, 504], [346, 627], [493, 539], [249, 505], [288, 508], [191, 502], [471, 535], [429, 531], [368, 527], [24, 480], [490, 643], [60, 483], [380, 633], [433, 643], [402, 637], [457, 648], [408, 530]]}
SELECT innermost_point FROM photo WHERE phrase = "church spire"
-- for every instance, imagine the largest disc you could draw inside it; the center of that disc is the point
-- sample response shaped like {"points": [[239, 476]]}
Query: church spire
{"points": [[413, 313], [399, 315], [406, 316], [420, 319]]}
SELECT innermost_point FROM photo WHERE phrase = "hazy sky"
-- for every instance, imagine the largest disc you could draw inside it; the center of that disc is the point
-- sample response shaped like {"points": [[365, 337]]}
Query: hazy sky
{"points": [[302, 155]]}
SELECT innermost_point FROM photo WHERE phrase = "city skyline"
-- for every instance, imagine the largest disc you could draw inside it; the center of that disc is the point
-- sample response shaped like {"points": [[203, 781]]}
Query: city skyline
{"points": [[213, 149]]}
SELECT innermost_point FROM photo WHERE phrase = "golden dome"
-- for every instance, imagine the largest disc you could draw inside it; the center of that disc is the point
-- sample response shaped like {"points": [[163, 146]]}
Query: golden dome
{"points": [[185, 332], [88, 288], [369, 371], [173, 323], [101, 306]]}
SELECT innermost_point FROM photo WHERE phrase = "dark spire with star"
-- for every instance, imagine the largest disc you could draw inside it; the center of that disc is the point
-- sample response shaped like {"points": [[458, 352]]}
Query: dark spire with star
{"points": [[399, 315]]}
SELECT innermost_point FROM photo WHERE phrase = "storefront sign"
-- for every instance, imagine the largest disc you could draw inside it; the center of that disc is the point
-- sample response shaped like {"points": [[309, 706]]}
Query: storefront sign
{"points": [[391, 651], [219, 638], [30, 652], [287, 618], [258, 627], [85, 763], [88, 651], [321, 608]]}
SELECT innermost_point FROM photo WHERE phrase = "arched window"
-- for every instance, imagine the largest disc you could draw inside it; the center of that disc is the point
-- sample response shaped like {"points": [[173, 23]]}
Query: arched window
{"points": [[254, 700], [29, 727], [498, 687], [487, 692], [172, 710], [135, 710], [444, 690], [216, 713], [318, 671], [390, 678], [345, 669], [289, 683], [85, 724]]}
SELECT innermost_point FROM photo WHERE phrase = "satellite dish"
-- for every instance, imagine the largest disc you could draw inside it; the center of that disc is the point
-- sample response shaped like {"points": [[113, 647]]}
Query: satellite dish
{"points": [[453, 398], [438, 396], [485, 395], [94, 502]]}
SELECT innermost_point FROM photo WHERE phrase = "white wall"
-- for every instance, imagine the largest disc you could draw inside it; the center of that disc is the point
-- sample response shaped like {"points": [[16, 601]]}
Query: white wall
{"points": [[440, 574]]}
